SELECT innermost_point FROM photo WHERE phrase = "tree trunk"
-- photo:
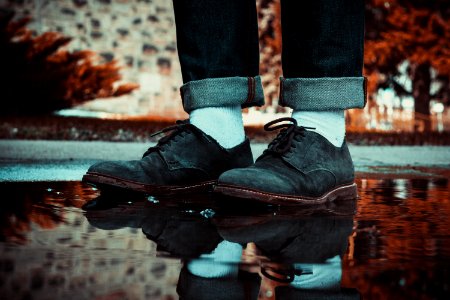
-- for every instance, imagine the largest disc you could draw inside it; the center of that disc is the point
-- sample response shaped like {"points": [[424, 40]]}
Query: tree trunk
{"points": [[421, 83]]}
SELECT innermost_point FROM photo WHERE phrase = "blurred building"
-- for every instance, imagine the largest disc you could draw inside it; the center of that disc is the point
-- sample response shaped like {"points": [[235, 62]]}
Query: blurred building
{"points": [[140, 35]]}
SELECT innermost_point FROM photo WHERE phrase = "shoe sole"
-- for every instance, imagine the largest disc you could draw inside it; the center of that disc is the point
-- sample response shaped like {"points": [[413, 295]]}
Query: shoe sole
{"points": [[343, 192], [104, 182]]}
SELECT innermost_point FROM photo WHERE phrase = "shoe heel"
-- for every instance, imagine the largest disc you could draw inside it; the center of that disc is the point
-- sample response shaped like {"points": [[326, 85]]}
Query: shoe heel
{"points": [[349, 192]]}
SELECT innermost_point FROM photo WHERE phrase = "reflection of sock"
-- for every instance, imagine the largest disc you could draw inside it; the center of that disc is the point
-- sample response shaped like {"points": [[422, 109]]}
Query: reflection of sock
{"points": [[223, 123], [329, 124], [325, 276], [222, 262]]}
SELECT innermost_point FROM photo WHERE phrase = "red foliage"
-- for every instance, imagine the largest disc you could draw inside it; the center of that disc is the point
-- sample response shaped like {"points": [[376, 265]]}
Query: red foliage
{"points": [[415, 31], [38, 75]]}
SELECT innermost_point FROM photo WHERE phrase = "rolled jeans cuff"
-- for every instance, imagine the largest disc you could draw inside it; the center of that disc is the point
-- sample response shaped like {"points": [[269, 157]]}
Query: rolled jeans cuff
{"points": [[226, 91], [326, 93]]}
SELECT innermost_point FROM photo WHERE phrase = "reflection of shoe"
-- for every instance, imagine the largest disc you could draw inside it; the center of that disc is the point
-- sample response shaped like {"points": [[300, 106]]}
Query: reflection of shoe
{"points": [[288, 240], [250, 213], [299, 166], [183, 161], [302, 252], [180, 233], [120, 216], [191, 287]]}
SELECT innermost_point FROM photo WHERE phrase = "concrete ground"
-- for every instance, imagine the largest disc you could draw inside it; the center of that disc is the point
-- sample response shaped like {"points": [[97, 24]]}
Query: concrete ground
{"points": [[27, 160]]}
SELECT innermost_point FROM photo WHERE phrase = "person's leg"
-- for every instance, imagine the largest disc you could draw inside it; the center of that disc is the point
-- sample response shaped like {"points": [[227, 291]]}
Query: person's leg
{"points": [[219, 55], [322, 60]]}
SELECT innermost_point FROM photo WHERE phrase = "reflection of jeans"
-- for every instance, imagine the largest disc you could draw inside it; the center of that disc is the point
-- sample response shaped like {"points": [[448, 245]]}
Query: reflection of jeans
{"points": [[322, 53]]}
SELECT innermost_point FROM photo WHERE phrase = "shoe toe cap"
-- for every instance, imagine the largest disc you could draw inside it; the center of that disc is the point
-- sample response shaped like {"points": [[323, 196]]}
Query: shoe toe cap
{"points": [[130, 170], [275, 181], [105, 167]]}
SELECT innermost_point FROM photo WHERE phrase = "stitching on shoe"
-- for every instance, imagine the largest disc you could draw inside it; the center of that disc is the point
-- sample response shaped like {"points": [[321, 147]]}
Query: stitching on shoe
{"points": [[288, 157], [279, 196], [323, 169], [170, 187]]}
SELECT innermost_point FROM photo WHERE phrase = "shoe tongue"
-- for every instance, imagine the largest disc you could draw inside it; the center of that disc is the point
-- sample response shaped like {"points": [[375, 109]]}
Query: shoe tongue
{"points": [[200, 132]]}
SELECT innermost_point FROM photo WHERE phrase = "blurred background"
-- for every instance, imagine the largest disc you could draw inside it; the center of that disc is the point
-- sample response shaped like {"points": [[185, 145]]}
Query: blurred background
{"points": [[117, 60], [107, 70]]}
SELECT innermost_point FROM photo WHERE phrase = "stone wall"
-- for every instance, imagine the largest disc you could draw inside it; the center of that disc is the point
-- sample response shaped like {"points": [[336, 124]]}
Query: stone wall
{"points": [[78, 261], [140, 35]]}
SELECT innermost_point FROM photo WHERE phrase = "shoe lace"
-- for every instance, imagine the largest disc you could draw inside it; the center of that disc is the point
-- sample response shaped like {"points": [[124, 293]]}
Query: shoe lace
{"points": [[282, 275], [283, 141], [176, 129]]}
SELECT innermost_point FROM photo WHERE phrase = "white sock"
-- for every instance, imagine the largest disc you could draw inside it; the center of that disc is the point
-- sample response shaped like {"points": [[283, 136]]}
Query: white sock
{"points": [[223, 123], [222, 262], [324, 276], [329, 124]]}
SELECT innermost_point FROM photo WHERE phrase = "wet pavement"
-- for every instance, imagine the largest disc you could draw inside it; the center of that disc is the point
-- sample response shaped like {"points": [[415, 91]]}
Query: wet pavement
{"points": [[40, 160], [391, 243]]}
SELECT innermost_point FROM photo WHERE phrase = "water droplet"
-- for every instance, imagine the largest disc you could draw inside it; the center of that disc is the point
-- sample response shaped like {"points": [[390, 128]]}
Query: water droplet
{"points": [[208, 213], [49, 189], [93, 188], [152, 199]]}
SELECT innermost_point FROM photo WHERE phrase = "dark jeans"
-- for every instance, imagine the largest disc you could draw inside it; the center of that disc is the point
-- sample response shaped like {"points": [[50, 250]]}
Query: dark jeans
{"points": [[322, 53]]}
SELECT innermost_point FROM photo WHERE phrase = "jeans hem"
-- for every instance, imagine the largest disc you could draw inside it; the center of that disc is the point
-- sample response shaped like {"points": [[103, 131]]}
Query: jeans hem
{"points": [[325, 93], [225, 91]]}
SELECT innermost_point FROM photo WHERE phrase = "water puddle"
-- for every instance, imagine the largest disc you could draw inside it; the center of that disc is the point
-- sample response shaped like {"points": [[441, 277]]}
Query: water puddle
{"points": [[392, 243]]}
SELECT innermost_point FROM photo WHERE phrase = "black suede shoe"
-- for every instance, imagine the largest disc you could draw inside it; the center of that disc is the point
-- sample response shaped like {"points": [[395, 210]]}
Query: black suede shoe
{"points": [[299, 166], [186, 160]]}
